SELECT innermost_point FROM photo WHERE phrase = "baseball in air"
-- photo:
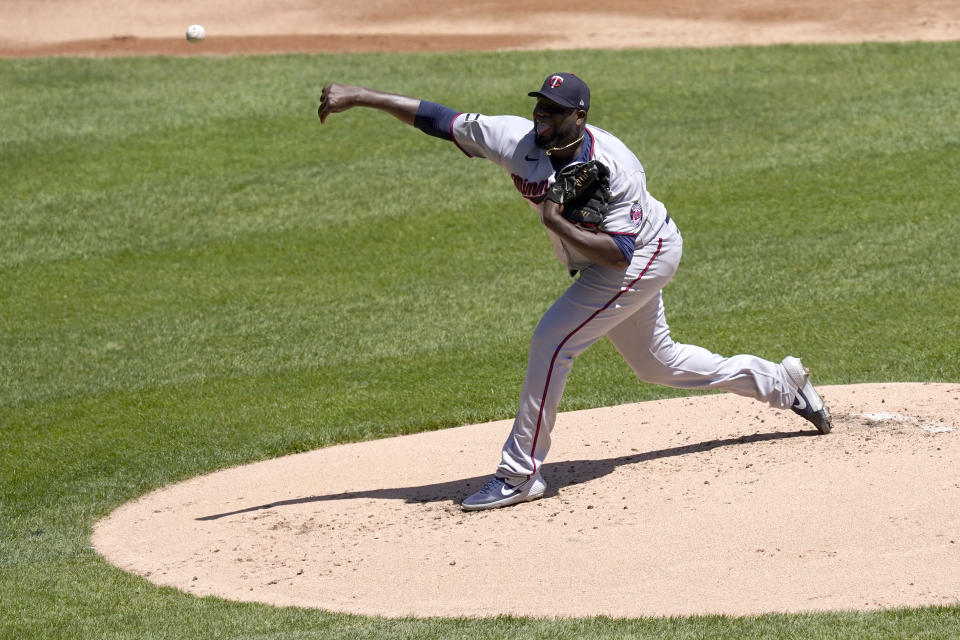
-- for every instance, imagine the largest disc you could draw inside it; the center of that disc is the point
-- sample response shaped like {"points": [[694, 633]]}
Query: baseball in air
{"points": [[196, 33]]}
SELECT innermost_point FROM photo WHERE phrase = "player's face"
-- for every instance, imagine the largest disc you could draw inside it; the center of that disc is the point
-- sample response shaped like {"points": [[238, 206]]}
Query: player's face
{"points": [[555, 124]]}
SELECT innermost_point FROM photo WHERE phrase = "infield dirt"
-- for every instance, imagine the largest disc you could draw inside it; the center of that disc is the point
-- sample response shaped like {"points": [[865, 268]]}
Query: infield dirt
{"points": [[91, 27]]}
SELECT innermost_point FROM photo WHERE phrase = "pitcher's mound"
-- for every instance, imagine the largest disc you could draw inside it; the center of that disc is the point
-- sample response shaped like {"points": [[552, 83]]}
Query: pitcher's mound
{"points": [[709, 504]]}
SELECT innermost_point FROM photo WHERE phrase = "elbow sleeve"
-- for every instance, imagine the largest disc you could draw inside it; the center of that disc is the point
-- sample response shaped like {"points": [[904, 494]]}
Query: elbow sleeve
{"points": [[435, 119]]}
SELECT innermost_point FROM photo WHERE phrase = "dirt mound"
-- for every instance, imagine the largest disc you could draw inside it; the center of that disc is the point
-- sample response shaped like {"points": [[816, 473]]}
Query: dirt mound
{"points": [[710, 504]]}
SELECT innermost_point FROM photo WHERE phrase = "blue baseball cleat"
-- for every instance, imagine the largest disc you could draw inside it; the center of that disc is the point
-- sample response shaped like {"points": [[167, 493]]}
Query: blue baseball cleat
{"points": [[808, 402], [498, 493]]}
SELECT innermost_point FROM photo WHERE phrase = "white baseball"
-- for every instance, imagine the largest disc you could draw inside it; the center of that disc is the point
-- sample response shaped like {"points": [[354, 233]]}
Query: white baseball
{"points": [[196, 33]]}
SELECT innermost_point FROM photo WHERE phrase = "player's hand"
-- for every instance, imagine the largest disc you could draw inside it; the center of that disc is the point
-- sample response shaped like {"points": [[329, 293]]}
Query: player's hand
{"points": [[597, 247], [334, 99], [552, 217], [551, 214]]}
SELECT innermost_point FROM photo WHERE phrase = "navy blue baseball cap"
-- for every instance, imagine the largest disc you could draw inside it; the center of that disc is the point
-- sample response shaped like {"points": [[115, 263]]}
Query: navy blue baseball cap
{"points": [[565, 89]]}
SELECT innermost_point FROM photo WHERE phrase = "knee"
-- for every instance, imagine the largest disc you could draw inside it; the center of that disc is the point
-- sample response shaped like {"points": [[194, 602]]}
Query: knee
{"points": [[663, 350], [557, 352], [549, 352], [656, 363]]}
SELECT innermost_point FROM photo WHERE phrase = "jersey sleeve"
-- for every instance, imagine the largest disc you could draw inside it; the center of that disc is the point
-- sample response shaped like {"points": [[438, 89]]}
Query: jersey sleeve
{"points": [[620, 223], [626, 189], [634, 212], [495, 138]]}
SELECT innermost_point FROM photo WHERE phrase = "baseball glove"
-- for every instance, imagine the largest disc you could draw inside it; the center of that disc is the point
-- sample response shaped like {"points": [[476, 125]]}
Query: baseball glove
{"points": [[584, 191]]}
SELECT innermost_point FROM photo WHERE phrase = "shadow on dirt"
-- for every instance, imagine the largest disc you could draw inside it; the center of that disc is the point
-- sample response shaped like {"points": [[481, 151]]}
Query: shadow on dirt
{"points": [[557, 474]]}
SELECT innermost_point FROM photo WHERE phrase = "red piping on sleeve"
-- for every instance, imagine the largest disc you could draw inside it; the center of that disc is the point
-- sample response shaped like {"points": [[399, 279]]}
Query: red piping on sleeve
{"points": [[454, 138]]}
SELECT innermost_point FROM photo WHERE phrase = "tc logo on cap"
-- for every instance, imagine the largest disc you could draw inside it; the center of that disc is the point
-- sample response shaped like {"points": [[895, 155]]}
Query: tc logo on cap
{"points": [[565, 89]]}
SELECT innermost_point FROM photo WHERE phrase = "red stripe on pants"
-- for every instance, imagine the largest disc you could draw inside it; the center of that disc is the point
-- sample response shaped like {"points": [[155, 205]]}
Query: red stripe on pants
{"points": [[553, 360]]}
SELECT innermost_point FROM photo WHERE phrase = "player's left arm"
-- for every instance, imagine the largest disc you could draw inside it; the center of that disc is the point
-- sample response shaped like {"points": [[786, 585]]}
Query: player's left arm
{"points": [[594, 245]]}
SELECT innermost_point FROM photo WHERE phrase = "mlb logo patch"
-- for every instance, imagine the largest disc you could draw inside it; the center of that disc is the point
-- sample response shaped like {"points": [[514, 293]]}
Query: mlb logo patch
{"points": [[636, 213]]}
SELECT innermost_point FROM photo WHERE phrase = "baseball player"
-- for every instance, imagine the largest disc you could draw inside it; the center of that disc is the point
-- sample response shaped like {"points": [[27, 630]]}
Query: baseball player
{"points": [[621, 260]]}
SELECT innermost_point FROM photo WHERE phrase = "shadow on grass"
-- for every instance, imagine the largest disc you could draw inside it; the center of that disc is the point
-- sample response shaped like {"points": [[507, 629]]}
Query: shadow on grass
{"points": [[558, 475]]}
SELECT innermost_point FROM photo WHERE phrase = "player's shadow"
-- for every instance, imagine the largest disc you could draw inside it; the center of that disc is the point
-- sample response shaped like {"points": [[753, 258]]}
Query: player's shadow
{"points": [[557, 474]]}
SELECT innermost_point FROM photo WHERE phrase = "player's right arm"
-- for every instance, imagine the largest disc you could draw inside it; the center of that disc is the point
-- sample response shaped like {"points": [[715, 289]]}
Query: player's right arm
{"points": [[477, 136], [340, 97], [431, 118]]}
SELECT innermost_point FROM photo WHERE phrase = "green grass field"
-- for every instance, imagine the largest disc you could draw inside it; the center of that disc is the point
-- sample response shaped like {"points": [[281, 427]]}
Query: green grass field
{"points": [[194, 274]]}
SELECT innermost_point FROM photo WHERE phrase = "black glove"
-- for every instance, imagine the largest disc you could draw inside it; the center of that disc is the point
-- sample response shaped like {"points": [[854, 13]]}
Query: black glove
{"points": [[584, 191]]}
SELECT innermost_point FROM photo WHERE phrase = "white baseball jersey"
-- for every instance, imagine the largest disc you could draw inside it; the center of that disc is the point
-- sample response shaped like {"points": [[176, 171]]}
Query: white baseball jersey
{"points": [[508, 141], [625, 305]]}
